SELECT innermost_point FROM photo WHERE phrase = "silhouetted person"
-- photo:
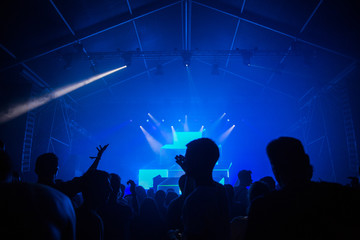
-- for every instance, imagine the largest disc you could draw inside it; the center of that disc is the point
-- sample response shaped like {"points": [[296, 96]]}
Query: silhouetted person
{"points": [[257, 190], [302, 209], [96, 191], [160, 196], [205, 211], [47, 166], [115, 214], [5, 167], [149, 224], [32, 211], [235, 208], [150, 193], [174, 212], [169, 197], [241, 191], [270, 182]]}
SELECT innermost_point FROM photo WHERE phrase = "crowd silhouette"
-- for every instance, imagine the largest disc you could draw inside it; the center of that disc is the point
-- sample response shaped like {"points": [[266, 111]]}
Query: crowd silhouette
{"points": [[95, 205]]}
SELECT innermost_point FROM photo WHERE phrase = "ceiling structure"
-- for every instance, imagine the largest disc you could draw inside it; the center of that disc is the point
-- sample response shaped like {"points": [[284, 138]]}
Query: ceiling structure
{"points": [[291, 46], [243, 54]]}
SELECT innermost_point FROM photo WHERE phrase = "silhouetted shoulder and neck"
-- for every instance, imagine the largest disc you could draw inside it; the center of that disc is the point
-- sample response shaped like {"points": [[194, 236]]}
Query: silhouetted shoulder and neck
{"points": [[302, 209], [205, 210]]}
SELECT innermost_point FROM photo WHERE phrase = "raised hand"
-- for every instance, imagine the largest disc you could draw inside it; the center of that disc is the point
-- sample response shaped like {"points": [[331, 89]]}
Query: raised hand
{"points": [[95, 164], [180, 160], [101, 150]]}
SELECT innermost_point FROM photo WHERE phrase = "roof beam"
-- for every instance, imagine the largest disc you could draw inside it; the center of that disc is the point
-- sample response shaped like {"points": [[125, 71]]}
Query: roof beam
{"points": [[31, 75], [138, 38], [127, 20], [218, 9], [187, 24], [290, 47], [73, 33], [249, 80]]}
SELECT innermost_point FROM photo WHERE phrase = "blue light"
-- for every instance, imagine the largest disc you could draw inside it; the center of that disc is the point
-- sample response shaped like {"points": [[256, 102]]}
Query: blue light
{"points": [[146, 176]]}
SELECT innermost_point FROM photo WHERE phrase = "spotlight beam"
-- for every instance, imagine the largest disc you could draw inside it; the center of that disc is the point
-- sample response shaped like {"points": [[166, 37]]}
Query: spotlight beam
{"points": [[174, 133], [186, 125], [22, 108], [157, 123], [154, 144], [226, 134]]}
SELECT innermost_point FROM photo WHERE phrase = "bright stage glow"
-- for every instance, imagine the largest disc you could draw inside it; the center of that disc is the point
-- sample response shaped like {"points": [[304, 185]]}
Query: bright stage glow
{"points": [[22, 108], [186, 126], [217, 121], [202, 128], [174, 134], [226, 134], [154, 120], [154, 144]]}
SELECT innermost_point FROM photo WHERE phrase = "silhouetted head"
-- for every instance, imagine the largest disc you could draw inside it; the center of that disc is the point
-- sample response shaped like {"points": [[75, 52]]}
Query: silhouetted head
{"points": [[140, 193], [245, 178], [47, 165], [270, 182], [169, 197], [96, 188], [256, 190], [201, 157], [289, 162], [5, 167], [160, 197], [150, 193], [115, 182]]}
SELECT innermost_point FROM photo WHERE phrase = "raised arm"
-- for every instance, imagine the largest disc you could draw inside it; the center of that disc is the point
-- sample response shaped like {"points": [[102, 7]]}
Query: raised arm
{"points": [[95, 164]]}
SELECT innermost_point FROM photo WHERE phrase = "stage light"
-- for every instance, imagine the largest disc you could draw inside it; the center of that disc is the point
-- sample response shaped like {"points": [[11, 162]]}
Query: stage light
{"points": [[179, 120], [202, 128], [228, 120], [154, 120], [22, 108], [174, 134], [154, 144], [186, 126], [147, 120], [226, 134], [186, 58], [163, 120]]}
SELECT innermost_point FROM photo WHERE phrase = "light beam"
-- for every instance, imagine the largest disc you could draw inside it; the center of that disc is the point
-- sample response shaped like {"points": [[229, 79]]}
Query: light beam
{"points": [[186, 126], [174, 134], [154, 144], [226, 134], [157, 123], [22, 108]]}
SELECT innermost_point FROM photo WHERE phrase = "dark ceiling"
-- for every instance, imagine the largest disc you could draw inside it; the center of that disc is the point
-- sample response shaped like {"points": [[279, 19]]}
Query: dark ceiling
{"points": [[292, 46]]}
